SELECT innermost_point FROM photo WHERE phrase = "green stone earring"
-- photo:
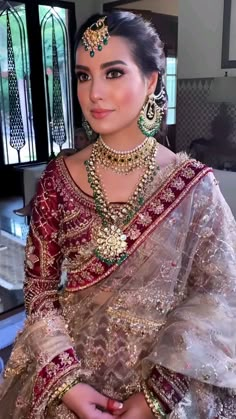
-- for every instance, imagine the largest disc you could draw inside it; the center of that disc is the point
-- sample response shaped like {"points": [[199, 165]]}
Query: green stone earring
{"points": [[150, 118], [89, 131]]}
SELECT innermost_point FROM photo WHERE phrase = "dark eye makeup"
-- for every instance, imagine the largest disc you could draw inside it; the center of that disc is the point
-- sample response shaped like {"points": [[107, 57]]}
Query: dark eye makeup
{"points": [[112, 73]]}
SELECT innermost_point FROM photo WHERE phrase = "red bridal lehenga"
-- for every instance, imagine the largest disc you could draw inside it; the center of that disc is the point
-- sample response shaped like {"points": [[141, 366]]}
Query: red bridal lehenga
{"points": [[166, 314]]}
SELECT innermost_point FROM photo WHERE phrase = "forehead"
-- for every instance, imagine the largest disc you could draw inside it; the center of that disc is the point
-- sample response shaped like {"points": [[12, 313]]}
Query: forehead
{"points": [[118, 48]]}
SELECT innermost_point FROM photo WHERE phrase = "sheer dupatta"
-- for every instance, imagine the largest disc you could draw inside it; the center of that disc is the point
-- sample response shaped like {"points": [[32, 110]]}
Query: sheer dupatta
{"points": [[199, 337]]}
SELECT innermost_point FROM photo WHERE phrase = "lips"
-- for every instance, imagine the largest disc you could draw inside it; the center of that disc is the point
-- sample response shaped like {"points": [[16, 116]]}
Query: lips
{"points": [[100, 113]]}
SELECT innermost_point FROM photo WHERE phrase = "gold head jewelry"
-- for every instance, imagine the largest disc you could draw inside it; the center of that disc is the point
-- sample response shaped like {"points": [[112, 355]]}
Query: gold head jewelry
{"points": [[96, 36]]}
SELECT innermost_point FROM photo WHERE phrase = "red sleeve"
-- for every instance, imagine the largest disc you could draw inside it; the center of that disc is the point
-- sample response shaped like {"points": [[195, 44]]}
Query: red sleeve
{"points": [[43, 253], [50, 341]]}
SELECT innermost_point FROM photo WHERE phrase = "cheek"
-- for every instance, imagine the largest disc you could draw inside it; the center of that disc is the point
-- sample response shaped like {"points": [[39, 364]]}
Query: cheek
{"points": [[132, 96], [82, 95]]}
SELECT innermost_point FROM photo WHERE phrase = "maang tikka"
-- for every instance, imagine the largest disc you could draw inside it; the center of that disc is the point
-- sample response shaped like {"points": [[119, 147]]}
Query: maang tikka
{"points": [[96, 36], [151, 115]]}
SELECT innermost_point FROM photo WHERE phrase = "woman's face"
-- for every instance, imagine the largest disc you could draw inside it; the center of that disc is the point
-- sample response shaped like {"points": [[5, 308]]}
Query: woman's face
{"points": [[111, 89]]}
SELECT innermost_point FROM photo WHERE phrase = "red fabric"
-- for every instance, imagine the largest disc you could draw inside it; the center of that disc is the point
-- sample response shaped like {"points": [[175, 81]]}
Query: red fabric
{"points": [[54, 369], [169, 387]]}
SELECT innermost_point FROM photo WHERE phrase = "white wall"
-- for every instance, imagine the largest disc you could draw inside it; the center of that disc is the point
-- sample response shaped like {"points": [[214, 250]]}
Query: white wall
{"points": [[167, 7], [200, 38], [85, 8], [232, 49]]}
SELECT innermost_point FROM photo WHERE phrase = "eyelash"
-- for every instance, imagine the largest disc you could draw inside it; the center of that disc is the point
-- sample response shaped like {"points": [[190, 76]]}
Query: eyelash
{"points": [[80, 75]]}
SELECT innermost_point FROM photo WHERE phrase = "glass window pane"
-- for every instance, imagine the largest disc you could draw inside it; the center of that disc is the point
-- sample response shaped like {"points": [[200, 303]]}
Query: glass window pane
{"points": [[171, 87], [171, 116], [171, 90], [171, 65], [57, 77], [15, 90]]}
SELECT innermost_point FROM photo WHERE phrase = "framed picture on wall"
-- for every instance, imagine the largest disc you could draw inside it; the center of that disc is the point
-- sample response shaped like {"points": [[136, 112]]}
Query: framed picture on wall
{"points": [[228, 59]]}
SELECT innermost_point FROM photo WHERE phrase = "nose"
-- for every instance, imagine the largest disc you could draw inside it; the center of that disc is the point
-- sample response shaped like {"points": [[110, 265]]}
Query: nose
{"points": [[97, 90]]}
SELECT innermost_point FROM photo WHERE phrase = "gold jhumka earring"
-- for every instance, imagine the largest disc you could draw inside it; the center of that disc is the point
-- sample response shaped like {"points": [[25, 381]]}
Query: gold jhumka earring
{"points": [[150, 116], [96, 36]]}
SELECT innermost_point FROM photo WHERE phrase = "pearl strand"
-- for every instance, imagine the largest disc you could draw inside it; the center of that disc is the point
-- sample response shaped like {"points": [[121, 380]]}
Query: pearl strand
{"points": [[122, 153]]}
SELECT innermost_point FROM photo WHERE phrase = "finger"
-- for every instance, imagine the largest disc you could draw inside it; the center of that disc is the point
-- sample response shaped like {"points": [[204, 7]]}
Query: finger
{"points": [[107, 403], [113, 405], [98, 414], [104, 415], [119, 412]]}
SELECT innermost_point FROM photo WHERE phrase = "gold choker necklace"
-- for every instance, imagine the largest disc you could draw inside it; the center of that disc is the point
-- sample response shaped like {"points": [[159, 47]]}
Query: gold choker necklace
{"points": [[124, 162]]}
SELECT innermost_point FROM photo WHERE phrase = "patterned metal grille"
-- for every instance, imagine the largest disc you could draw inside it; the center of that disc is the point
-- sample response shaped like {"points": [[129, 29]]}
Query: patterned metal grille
{"points": [[16, 116], [58, 123], [56, 60], [17, 134]]}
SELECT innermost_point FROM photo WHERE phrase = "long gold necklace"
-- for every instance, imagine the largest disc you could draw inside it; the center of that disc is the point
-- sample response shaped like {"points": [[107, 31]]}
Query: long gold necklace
{"points": [[109, 237], [124, 162]]}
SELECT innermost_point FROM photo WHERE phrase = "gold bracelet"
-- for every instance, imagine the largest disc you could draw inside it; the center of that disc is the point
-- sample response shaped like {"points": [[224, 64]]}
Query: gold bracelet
{"points": [[152, 402], [62, 389]]}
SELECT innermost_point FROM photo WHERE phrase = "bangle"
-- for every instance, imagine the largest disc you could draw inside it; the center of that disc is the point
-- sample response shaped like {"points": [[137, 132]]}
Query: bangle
{"points": [[63, 388], [152, 402]]}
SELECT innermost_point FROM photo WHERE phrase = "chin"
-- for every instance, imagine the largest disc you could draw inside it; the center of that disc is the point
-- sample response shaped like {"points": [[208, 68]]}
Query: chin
{"points": [[105, 129]]}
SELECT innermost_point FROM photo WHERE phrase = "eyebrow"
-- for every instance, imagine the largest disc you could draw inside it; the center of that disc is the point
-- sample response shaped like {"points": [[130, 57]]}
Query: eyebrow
{"points": [[104, 65]]}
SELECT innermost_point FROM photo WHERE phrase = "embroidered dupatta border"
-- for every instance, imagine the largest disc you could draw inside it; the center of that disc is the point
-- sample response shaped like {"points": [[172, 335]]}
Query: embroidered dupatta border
{"points": [[156, 209]]}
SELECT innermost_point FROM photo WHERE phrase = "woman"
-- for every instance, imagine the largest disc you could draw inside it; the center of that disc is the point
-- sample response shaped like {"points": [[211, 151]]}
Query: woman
{"points": [[145, 326]]}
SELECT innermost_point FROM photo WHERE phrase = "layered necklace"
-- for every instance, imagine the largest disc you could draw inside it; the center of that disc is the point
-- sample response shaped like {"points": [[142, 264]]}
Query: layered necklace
{"points": [[109, 237]]}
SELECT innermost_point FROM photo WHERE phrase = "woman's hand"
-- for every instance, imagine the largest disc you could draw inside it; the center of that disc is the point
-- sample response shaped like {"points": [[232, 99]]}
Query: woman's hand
{"points": [[135, 407], [86, 402]]}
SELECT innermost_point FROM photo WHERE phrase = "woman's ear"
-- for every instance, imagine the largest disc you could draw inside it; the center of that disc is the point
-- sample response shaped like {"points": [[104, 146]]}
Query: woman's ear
{"points": [[152, 82]]}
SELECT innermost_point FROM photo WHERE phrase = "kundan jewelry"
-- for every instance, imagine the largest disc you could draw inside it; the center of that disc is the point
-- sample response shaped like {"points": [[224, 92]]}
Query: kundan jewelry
{"points": [[109, 237], [124, 162], [150, 116], [96, 36]]}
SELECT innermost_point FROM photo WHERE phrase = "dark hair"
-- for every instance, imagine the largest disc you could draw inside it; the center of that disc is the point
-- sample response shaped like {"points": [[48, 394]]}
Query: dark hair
{"points": [[146, 46]]}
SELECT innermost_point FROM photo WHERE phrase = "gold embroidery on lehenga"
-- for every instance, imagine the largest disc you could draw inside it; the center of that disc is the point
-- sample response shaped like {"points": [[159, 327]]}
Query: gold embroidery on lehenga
{"points": [[132, 324]]}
